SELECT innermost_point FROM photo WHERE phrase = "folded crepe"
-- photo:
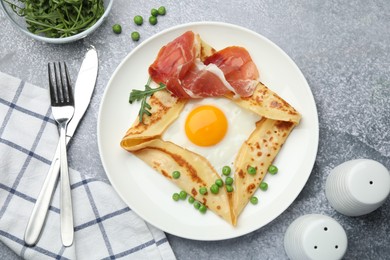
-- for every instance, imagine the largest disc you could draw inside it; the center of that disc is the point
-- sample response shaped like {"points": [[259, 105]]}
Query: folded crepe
{"points": [[258, 151], [144, 140], [195, 172]]}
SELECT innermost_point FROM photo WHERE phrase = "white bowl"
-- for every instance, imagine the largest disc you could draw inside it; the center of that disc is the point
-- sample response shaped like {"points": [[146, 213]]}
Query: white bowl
{"points": [[20, 23]]}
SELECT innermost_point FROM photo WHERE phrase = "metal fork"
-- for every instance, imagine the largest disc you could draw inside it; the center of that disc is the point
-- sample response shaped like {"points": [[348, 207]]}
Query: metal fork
{"points": [[62, 106]]}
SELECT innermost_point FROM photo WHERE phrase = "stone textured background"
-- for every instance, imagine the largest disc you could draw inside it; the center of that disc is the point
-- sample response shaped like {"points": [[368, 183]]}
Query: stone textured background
{"points": [[343, 50]]}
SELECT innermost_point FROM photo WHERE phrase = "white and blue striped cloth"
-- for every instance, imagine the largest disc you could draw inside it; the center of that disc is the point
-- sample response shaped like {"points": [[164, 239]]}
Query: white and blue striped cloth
{"points": [[105, 228]]}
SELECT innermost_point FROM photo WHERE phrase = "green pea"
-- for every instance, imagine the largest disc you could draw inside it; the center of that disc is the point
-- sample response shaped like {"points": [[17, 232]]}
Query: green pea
{"points": [[229, 188], [251, 170], [203, 190], [154, 12], [202, 208], [138, 20], [162, 10], [254, 200], [273, 169], [117, 28], [176, 174], [263, 186], [135, 36], [197, 204], [214, 189], [219, 182], [229, 180], [175, 196], [191, 199], [226, 170], [153, 20], [183, 195]]}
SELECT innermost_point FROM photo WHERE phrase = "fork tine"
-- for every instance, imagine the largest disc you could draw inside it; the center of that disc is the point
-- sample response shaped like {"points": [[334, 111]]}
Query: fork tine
{"points": [[69, 93], [68, 80], [61, 84], [53, 90], [58, 80]]}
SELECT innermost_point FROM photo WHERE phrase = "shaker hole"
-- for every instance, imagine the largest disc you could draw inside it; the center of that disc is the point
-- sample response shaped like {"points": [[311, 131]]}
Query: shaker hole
{"points": [[325, 228], [336, 246], [371, 182], [315, 247]]}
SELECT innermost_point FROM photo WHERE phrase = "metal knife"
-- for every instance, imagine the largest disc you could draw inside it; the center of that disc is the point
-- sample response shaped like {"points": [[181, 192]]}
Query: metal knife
{"points": [[83, 90]]}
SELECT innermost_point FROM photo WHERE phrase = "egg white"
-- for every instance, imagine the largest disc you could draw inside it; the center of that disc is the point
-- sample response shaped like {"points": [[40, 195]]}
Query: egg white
{"points": [[241, 123]]}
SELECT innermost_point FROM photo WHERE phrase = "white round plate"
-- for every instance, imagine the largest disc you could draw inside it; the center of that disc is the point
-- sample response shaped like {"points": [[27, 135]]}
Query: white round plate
{"points": [[149, 194]]}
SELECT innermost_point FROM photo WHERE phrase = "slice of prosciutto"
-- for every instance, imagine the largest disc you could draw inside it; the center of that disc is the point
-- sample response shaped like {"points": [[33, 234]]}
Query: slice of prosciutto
{"points": [[179, 67], [238, 67], [199, 82], [175, 58]]}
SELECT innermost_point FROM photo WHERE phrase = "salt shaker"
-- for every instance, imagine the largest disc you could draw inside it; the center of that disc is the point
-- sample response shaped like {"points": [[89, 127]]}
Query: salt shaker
{"points": [[358, 187], [315, 236]]}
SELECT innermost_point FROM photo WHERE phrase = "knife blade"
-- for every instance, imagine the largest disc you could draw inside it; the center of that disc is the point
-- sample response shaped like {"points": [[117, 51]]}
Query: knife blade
{"points": [[83, 90]]}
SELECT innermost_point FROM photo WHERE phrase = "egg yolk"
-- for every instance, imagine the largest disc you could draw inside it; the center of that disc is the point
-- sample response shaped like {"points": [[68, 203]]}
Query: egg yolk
{"points": [[206, 125]]}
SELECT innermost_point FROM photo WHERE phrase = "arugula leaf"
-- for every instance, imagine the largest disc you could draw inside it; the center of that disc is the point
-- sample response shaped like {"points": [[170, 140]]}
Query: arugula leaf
{"points": [[142, 95]]}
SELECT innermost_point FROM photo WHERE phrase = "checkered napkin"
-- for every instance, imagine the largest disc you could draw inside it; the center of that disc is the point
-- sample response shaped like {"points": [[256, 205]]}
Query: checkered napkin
{"points": [[105, 228]]}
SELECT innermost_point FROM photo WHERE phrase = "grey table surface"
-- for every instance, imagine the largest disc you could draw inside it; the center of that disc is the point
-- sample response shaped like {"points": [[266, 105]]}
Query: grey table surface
{"points": [[343, 50]]}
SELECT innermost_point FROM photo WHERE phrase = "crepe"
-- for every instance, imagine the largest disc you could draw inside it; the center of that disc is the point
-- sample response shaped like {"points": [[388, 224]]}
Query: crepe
{"points": [[267, 103], [195, 172], [259, 150], [165, 109]]}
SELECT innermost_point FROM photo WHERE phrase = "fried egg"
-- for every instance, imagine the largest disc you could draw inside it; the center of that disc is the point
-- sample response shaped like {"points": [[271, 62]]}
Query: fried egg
{"points": [[214, 128], [206, 125]]}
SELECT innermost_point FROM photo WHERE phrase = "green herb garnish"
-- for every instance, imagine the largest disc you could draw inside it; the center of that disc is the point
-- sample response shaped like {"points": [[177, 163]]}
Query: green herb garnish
{"points": [[58, 18], [142, 95]]}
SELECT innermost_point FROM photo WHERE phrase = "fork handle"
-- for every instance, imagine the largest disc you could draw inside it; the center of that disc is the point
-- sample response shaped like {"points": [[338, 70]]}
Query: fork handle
{"points": [[66, 213]]}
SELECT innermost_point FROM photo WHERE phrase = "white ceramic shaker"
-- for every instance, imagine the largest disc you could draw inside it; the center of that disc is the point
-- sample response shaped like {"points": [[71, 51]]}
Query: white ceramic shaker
{"points": [[315, 236], [358, 187]]}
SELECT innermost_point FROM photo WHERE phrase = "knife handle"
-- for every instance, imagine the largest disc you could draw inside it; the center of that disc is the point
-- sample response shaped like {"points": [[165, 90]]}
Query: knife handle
{"points": [[39, 212]]}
